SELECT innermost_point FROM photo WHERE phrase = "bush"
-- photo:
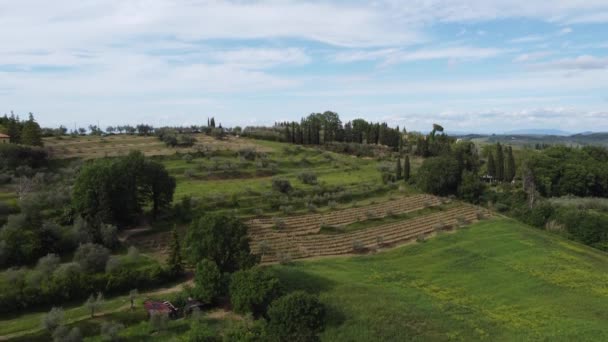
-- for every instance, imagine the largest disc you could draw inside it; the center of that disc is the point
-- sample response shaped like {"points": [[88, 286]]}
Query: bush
{"points": [[247, 330], [281, 185], [202, 332], [298, 316], [109, 331], [52, 320], [158, 321], [207, 281], [92, 257], [65, 334], [247, 154], [251, 291], [48, 264], [308, 177]]}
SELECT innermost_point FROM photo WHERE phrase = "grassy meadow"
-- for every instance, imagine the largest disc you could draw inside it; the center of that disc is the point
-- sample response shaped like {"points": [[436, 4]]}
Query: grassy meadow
{"points": [[497, 280]]}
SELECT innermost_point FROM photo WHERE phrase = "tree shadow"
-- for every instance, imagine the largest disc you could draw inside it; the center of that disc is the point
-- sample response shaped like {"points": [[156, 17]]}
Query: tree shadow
{"points": [[294, 279]]}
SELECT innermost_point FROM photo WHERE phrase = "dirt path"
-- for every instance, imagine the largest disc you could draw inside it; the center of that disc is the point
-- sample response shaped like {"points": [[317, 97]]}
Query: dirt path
{"points": [[156, 292]]}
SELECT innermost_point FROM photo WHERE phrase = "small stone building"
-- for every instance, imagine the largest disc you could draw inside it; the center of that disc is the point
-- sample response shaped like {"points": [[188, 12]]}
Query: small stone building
{"points": [[4, 139]]}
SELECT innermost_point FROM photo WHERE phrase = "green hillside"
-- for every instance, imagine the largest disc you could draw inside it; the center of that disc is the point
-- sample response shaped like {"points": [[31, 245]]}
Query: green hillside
{"points": [[498, 280]]}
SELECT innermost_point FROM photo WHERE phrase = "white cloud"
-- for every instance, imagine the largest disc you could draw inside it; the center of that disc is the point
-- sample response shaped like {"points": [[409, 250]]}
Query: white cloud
{"points": [[259, 58], [528, 39], [395, 56], [532, 56], [565, 30], [584, 62]]}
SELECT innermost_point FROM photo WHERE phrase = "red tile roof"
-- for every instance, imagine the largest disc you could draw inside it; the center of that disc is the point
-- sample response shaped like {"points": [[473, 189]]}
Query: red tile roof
{"points": [[4, 136]]}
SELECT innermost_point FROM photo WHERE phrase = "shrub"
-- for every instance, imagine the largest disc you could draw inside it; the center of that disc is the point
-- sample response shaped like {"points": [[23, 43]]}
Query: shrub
{"points": [[158, 321], [65, 334], [247, 330], [279, 223], [308, 177], [251, 291], [284, 258], [52, 320], [189, 173], [187, 158], [281, 185], [201, 332], [298, 316], [358, 246], [109, 235], [332, 204], [109, 330], [247, 154], [48, 264], [92, 257], [207, 281]]}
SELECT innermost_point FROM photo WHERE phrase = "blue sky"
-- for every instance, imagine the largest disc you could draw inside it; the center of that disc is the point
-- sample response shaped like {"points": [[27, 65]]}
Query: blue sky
{"points": [[475, 66]]}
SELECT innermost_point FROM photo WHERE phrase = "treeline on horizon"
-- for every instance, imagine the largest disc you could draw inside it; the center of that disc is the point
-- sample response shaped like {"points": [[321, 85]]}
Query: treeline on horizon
{"points": [[327, 127]]}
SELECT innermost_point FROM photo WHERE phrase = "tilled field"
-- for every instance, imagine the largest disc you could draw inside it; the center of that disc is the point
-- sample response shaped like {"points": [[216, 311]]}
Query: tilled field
{"points": [[301, 236]]}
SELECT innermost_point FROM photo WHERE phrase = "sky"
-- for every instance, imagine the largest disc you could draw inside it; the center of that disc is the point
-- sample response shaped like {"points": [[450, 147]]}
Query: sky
{"points": [[471, 66]]}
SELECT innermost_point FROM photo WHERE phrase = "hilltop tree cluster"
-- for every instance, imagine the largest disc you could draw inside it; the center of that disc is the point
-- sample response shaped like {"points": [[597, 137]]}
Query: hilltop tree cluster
{"points": [[26, 132], [327, 127]]}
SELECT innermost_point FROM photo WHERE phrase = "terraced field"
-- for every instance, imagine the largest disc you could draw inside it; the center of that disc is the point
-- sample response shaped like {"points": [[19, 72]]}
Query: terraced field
{"points": [[302, 236], [88, 147]]}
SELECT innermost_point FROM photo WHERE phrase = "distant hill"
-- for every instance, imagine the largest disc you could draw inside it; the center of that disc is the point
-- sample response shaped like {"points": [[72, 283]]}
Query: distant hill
{"points": [[538, 132], [530, 139]]}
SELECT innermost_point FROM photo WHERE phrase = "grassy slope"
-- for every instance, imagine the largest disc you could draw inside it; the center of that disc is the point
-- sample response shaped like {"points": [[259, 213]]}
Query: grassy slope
{"points": [[498, 280]]}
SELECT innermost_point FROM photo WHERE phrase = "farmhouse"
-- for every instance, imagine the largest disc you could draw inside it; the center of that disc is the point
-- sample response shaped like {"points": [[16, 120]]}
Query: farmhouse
{"points": [[165, 308], [4, 139]]}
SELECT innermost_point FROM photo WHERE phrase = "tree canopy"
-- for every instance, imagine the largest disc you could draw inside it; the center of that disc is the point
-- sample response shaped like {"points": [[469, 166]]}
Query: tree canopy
{"points": [[222, 239], [116, 190]]}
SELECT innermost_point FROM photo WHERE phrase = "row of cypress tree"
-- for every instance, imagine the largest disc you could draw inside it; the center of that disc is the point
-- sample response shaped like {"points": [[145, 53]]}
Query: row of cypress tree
{"points": [[502, 166]]}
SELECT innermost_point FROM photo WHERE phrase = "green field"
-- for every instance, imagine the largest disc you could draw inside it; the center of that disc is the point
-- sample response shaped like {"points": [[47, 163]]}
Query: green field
{"points": [[498, 280]]}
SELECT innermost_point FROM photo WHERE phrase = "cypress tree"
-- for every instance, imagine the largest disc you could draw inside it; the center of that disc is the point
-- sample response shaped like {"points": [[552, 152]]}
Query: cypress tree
{"points": [[510, 166], [13, 129], [31, 134], [491, 166], [175, 261], [500, 163], [398, 168], [406, 169]]}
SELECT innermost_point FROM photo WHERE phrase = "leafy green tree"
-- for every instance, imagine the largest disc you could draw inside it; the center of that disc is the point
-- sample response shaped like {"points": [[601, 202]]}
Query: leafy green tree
{"points": [[159, 186], [398, 172], [207, 282], [31, 134], [471, 187], [92, 257], [406, 168], [222, 239], [116, 190], [439, 175], [252, 290], [500, 163], [297, 317], [175, 262], [93, 303], [53, 319]]}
